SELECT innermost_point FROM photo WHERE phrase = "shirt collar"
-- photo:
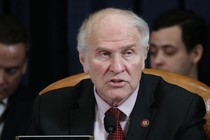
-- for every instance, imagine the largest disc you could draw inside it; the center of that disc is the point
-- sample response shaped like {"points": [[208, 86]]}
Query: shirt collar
{"points": [[5, 101], [126, 107]]}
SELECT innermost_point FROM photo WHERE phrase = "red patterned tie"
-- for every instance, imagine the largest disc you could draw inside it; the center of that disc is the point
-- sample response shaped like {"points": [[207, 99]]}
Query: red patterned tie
{"points": [[118, 134]]}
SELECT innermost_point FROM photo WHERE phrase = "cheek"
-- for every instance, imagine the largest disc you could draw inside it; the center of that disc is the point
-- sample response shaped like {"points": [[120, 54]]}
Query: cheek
{"points": [[96, 70], [14, 80], [152, 61], [177, 59], [96, 65], [136, 64], [178, 63], [18, 76], [136, 69]]}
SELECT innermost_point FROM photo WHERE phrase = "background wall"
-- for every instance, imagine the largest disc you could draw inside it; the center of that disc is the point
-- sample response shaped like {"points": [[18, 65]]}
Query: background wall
{"points": [[53, 26]]}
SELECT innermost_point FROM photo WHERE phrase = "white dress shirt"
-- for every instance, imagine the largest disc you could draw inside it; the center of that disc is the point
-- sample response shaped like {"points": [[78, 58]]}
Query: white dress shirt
{"points": [[101, 107], [3, 106]]}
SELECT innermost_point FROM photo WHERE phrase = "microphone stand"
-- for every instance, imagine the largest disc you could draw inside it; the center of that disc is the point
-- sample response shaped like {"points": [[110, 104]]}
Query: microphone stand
{"points": [[110, 125], [110, 135]]}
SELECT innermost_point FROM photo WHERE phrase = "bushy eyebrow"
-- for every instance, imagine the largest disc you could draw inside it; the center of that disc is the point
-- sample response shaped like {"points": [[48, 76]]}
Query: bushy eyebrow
{"points": [[164, 46], [126, 47]]}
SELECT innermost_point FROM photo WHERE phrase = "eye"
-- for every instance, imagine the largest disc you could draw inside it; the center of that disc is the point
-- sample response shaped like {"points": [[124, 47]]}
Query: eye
{"points": [[170, 51], [11, 71], [104, 55], [128, 53]]}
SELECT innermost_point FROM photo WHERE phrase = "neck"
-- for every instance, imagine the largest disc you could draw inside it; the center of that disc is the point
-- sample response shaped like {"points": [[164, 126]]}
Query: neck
{"points": [[193, 73]]}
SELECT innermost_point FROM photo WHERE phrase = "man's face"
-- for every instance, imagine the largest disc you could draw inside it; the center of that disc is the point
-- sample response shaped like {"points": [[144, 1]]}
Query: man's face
{"points": [[168, 51], [12, 67], [114, 59]]}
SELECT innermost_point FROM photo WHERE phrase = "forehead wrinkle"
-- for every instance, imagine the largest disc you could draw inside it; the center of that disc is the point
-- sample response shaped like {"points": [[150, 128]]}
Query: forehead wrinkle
{"points": [[125, 47]]}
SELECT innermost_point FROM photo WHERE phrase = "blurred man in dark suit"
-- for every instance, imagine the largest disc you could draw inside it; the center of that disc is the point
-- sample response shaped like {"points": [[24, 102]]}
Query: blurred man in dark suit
{"points": [[16, 100]]}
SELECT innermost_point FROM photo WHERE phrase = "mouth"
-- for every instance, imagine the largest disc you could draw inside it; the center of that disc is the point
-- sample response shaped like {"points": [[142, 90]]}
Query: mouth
{"points": [[117, 83], [116, 80]]}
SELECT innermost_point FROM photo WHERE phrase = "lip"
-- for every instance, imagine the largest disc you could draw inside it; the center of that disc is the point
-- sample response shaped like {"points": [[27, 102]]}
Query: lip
{"points": [[117, 83]]}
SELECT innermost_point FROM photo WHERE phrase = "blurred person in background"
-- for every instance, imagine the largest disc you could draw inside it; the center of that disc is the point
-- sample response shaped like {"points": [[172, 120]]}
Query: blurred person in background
{"points": [[177, 42], [16, 100]]}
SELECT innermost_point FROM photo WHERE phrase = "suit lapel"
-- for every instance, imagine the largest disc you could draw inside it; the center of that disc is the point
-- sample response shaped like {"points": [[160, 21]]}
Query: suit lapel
{"points": [[82, 118], [142, 115]]}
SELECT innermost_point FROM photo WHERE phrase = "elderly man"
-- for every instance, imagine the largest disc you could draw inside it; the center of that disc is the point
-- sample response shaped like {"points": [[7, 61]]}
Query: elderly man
{"points": [[113, 45]]}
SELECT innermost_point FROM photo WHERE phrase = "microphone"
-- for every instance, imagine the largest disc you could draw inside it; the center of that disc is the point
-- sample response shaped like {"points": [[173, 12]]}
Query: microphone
{"points": [[110, 124]]}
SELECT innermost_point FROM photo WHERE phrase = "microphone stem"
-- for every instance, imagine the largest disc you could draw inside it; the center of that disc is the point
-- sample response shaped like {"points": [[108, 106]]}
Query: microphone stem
{"points": [[110, 134]]}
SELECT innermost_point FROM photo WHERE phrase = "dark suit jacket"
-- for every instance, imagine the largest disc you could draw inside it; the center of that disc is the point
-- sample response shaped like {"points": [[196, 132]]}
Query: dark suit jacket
{"points": [[174, 113], [17, 117]]}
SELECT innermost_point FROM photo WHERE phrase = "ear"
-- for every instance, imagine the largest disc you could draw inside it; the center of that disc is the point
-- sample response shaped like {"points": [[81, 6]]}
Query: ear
{"points": [[197, 53], [145, 53], [84, 62], [24, 67]]}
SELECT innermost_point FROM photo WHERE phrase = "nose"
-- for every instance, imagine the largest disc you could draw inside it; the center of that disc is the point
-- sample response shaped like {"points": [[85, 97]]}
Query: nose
{"points": [[158, 60], [117, 65]]}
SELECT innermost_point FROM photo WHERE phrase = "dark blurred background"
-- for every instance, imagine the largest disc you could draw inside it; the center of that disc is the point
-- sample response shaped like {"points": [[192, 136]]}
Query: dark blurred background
{"points": [[53, 26]]}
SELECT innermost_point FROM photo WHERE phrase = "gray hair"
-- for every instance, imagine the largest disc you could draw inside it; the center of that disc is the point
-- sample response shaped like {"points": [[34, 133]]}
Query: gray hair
{"points": [[135, 21]]}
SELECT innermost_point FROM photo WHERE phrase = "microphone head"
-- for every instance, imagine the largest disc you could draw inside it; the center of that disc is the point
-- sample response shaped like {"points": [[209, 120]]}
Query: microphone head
{"points": [[110, 123]]}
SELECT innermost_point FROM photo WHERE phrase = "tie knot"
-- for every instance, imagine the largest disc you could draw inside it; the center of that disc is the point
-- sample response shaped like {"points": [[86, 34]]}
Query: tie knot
{"points": [[115, 112]]}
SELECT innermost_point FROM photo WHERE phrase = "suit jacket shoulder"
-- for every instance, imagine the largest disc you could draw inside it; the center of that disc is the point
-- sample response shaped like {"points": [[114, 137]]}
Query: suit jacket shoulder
{"points": [[64, 107], [171, 111], [161, 111], [18, 113]]}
